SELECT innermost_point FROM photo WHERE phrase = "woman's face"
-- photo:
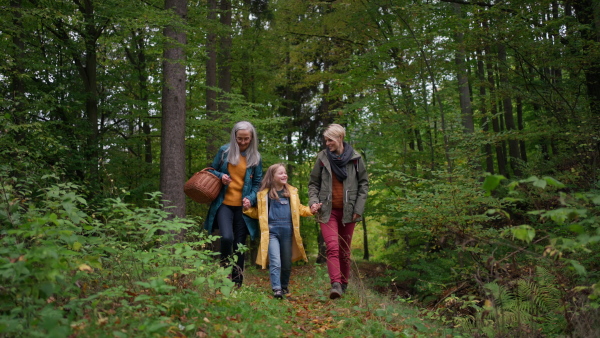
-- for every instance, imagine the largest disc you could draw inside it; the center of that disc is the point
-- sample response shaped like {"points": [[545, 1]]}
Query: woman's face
{"points": [[280, 177], [334, 145], [243, 138]]}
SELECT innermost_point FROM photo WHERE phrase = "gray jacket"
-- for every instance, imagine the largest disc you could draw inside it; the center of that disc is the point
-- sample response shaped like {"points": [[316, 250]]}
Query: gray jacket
{"points": [[356, 187]]}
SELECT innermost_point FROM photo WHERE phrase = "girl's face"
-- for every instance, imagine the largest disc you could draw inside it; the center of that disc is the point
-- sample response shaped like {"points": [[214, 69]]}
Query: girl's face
{"points": [[280, 177], [243, 138], [334, 145]]}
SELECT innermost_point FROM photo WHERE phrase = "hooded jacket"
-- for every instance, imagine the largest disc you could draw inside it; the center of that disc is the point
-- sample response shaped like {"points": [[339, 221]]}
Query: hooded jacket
{"points": [[356, 187], [261, 212]]}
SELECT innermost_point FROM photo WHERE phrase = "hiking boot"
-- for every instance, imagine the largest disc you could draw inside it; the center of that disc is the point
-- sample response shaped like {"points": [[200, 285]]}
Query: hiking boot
{"points": [[336, 291], [277, 293], [344, 287], [285, 291]]}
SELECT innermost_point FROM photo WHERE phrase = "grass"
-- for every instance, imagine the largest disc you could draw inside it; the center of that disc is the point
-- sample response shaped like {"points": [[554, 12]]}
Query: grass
{"points": [[251, 311]]}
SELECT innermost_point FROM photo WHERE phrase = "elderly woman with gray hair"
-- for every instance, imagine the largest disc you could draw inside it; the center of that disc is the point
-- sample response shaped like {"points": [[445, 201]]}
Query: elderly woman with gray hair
{"points": [[239, 166], [338, 189]]}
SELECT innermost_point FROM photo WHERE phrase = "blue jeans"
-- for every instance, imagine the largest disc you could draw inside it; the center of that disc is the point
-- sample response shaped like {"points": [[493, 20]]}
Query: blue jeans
{"points": [[280, 255]]}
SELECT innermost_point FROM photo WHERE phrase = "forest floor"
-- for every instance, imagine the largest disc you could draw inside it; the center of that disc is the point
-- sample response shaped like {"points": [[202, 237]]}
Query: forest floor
{"points": [[366, 310]]}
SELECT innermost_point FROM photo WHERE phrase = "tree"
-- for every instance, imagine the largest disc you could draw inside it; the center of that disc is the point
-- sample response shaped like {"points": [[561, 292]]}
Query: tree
{"points": [[172, 157]]}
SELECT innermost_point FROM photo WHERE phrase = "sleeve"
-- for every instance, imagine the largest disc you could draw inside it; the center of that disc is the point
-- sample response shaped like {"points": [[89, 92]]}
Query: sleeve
{"points": [[256, 180], [251, 212], [363, 188], [314, 183], [217, 163], [305, 211]]}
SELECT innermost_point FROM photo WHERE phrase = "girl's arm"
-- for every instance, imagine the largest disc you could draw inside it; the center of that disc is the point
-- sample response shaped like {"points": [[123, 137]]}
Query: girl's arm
{"points": [[251, 212], [305, 211]]}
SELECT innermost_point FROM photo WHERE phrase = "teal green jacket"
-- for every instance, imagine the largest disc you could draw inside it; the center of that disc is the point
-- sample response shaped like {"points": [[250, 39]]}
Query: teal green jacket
{"points": [[249, 190]]}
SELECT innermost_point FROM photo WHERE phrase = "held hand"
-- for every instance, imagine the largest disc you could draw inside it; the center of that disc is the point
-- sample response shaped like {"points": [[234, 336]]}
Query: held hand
{"points": [[225, 179], [355, 217], [315, 207], [246, 203]]}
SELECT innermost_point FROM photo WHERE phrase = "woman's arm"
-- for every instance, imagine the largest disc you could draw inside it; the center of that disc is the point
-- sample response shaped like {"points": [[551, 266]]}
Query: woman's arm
{"points": [[363, 188], [256, 180], [217, 162], [314, 183]]}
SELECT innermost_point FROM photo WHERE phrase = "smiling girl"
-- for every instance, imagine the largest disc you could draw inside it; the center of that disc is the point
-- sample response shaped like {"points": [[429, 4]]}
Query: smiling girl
{"points": [[278, 211]]}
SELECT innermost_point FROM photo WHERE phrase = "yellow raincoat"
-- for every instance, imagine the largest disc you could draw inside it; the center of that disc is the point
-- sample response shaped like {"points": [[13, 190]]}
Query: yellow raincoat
{"points": [[260, 211]]}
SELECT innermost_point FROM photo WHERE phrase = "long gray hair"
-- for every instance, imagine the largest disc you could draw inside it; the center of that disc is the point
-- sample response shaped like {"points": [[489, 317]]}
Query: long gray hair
{"points": [[252, 154]]}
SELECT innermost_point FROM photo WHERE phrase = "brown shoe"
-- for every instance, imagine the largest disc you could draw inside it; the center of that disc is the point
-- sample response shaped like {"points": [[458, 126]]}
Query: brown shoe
{"points": [[336, 291]]}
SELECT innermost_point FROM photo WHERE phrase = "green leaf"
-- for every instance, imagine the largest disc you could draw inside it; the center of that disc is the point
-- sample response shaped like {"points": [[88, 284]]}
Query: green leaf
{"points": [[580, 269], [551, 181], [491, 182], [523, 232], [576, 228]]}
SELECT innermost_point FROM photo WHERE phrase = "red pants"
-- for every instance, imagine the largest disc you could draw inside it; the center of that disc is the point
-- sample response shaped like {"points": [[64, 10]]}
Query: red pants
{"points": [[338, 237]]}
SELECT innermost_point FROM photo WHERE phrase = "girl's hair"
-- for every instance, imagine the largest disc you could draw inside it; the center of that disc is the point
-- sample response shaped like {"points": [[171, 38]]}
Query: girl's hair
{"points": [[252, 154], [268, 182], [335, 131]]}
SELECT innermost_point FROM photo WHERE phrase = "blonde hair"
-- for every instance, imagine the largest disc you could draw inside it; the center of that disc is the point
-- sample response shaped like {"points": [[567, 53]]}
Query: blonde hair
{"points": [[252, 154], [335, 131], [268, 182]]}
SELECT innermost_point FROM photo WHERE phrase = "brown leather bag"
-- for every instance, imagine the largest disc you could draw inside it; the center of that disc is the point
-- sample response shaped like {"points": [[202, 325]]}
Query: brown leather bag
{"points": [[203, 187]]}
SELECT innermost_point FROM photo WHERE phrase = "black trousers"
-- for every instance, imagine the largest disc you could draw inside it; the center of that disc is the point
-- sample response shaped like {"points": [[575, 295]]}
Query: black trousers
{"points": [[233, 233]]}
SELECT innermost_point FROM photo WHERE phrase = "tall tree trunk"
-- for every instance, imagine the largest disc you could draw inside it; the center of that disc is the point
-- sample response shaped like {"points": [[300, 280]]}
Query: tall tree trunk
{"points": [[500, 155], [485, 120], [224, 58], [588, 14], [212, 144], [522, 149], [17, 90], [88, 74], [513, 144], [172, 156], [463, 79]]}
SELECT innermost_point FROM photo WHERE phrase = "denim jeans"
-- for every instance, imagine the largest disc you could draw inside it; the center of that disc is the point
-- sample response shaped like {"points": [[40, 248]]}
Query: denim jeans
{"points": [[233, 233], [280, 255], [338, 238]]}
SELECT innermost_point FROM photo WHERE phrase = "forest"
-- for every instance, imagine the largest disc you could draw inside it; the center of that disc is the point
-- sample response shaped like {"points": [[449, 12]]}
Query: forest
{"points": [[478, 121]]}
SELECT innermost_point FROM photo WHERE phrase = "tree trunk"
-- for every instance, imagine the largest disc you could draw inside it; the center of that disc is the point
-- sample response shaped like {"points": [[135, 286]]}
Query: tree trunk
{"points": [[485, 120], [463, 79], [224, 58], [212, 144], [172, 157], [513, 144]]}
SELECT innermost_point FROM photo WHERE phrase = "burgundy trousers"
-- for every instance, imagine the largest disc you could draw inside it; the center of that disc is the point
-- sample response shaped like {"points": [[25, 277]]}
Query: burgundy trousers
{"points": [[338, 238]]}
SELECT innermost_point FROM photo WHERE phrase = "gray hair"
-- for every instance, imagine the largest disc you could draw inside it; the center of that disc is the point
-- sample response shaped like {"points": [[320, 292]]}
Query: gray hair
{"points": [[252, 154]]}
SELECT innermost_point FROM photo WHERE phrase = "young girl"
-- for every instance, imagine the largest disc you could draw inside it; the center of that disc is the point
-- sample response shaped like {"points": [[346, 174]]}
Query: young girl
{"points": [[278, 211]]}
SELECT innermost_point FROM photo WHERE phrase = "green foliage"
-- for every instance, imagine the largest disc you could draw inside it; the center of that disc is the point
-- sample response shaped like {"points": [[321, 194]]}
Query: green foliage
{"points": [[59, 262], [525, 305]]}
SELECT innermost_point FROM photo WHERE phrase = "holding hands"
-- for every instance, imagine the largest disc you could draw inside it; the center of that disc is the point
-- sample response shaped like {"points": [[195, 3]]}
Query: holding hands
{"points": [[246, 203], [315, 207]]}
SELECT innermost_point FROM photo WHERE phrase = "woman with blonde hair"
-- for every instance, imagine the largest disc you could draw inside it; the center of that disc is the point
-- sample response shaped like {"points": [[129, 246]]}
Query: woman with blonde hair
{"points": [[338, 189]]}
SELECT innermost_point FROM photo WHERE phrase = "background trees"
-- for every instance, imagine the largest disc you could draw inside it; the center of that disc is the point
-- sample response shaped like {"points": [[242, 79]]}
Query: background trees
{"points": [[435, 93]]}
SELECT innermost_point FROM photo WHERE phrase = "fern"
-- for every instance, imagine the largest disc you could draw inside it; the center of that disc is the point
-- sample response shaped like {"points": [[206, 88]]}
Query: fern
{"points": [[527, 303]]}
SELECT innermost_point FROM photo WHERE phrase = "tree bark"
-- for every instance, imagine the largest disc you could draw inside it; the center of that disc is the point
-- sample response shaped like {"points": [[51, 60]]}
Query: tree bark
{"points": [[211, 79], [172, 157], [485, 120], [513, 144], [224, 58]]}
